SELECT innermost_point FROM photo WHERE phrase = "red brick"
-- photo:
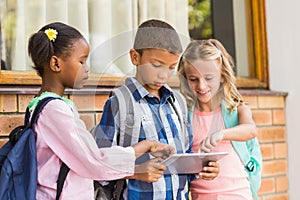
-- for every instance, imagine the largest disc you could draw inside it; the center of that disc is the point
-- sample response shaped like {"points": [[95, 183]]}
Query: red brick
{"points": [[284, 196], [251, 101], [98, 118], [280, 150], [89, 120], [23, 101], [84, 102], [9, 122], [271, 134], [282, 184], [89, 102], [271, 102], [275, 167], [262, 117], [267, 151], [100, 101], [8, 103], [278, 116], [267, 186]]}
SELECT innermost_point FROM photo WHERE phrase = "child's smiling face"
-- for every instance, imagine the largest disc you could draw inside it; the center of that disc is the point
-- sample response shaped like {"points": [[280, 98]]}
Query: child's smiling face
{"points": [[204, 78]]}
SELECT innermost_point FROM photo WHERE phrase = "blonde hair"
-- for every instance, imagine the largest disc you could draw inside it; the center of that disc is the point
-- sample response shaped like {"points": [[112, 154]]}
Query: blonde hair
{"points": [[210, 49]]}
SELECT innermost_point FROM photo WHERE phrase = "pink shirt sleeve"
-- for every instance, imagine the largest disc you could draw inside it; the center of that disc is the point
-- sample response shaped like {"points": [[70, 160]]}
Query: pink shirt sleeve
{"points": [[61, 134]]}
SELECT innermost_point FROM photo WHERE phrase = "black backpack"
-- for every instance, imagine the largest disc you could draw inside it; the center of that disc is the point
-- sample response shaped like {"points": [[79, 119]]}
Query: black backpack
{"points": [[18, 161]]}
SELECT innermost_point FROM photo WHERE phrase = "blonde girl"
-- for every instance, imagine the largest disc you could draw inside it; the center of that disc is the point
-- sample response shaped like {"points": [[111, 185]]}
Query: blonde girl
{"points": [[207, 81]]}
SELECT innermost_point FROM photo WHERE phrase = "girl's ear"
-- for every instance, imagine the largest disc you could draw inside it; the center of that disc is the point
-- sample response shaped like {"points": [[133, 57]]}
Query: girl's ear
{"points": [[222, 79], [54, 64], [134, 56]]}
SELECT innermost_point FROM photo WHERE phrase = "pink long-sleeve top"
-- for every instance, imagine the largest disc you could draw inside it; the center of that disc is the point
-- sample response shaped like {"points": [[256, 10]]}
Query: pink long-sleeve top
{"points": [[62, 135]]}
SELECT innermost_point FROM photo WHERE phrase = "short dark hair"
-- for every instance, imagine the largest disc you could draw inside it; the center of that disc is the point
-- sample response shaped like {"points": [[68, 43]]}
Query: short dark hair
{"points": [[41, 49], [157, 34]]}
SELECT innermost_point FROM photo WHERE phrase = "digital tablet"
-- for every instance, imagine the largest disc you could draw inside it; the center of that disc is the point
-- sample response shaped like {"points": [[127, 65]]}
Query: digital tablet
{"points": [[190, 163]]}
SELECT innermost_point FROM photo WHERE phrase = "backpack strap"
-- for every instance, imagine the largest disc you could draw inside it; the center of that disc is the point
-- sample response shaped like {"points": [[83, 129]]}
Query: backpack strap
{"points": [[135, 114], [248, 151], [14, 137], [181, 110], [130, 122], [41, 104], [231, 120], [129, 127], [63, 172], [27, 116], [130, 115]]}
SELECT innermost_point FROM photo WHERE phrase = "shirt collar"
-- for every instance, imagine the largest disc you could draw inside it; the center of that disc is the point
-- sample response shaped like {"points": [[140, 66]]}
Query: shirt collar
{"points": [[138, 91]]}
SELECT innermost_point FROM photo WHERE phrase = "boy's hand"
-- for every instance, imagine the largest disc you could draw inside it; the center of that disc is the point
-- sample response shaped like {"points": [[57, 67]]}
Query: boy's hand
{"points": [[156, 149], [211, 141], [211, 171], [160, 150], [149, 171]]}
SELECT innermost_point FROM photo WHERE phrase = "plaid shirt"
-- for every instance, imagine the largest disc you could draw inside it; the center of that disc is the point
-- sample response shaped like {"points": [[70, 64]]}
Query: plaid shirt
{"points": [[108, 131]]}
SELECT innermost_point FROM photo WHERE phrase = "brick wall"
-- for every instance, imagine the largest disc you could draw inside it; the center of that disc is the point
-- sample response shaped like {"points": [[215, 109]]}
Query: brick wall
{"points": [[268, 113]]}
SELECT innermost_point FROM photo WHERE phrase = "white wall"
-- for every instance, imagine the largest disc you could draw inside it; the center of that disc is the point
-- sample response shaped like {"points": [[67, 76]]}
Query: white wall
{"points": [[283, 32]]}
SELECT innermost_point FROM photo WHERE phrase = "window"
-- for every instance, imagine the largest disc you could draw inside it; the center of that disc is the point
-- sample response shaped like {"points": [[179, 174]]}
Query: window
{"points": [[108, 23], [239, 25]]}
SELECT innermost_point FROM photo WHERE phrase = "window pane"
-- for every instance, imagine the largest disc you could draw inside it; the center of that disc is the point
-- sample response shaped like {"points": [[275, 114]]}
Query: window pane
{"points": [[240, 33], [200, 22], [108, 25], [7, 32], [226, 21]]}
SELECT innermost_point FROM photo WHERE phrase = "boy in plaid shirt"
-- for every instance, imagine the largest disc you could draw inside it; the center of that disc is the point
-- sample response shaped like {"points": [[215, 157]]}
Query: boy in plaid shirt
{"points": [[155, 54]]}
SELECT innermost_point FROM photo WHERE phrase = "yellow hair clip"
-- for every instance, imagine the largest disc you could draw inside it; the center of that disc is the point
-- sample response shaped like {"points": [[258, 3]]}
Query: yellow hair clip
{"points": [[51, 34]]}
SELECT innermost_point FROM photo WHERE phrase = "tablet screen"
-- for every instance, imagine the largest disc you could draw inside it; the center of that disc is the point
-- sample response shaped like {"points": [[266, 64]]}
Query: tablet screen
{"points": [[190, 163]]}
